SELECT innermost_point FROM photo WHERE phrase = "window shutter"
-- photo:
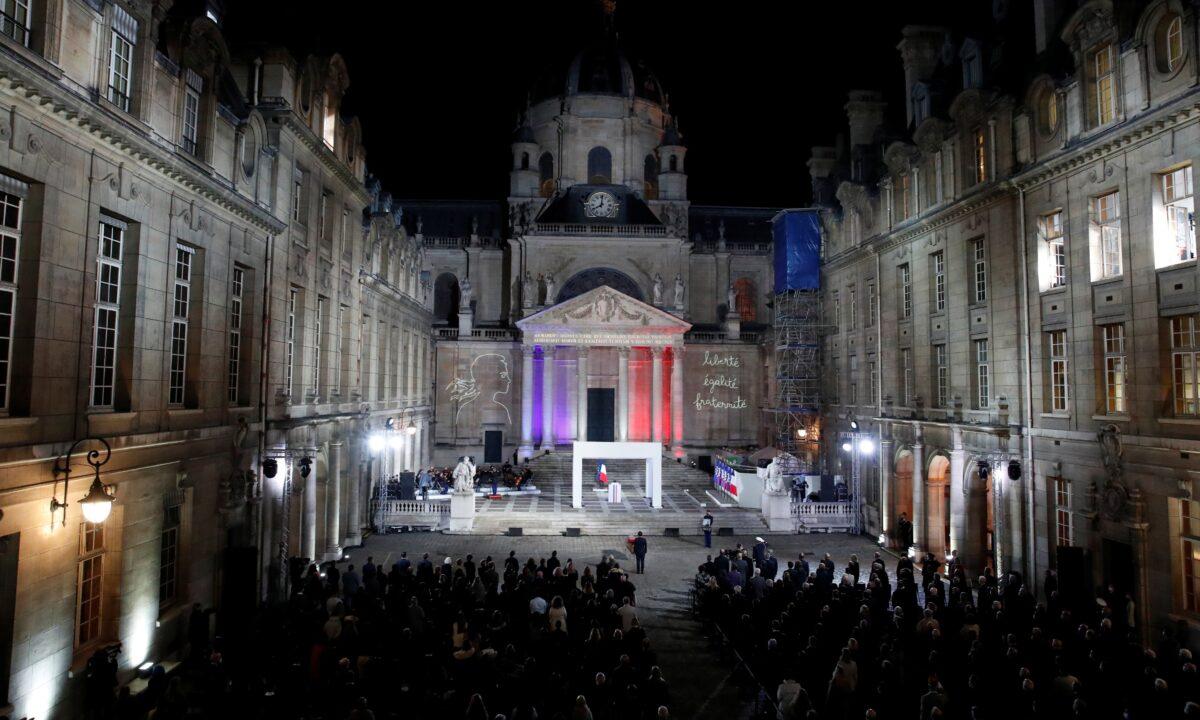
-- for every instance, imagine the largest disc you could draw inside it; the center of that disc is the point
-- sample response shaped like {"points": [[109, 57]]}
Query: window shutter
{"points": [[125, 24]]}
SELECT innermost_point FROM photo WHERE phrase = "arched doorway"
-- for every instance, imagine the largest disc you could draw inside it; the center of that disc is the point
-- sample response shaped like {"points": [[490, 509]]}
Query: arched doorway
{"points": [[599, 166], [902, 491], [445, 300], [937, 506], [592, 278]]}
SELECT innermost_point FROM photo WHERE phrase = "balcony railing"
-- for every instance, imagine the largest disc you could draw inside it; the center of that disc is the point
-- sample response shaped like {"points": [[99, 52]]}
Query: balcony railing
{"points": [[824, 516], [654, 231], [735, 248], [699, 336], [481, 333]]}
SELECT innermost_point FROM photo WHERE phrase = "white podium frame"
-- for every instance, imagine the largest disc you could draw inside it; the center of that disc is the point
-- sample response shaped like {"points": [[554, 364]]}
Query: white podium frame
{"points": [[651, 452]]}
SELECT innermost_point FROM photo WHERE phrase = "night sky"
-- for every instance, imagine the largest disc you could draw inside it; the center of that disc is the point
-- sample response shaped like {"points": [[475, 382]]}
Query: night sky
{"points": [[438, 85]]}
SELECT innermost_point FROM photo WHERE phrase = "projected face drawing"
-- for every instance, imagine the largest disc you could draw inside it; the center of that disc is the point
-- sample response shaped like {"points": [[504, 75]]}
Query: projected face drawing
{"points": [[464, 390]]}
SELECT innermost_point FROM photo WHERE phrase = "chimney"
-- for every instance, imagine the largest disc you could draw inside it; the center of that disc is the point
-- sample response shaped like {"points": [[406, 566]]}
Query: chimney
{"points": [[821, 166], [919, 49], [865, 111]]}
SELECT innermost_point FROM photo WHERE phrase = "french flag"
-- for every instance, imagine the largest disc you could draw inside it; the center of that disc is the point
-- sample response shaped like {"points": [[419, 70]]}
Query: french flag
{"points": [[602, 474]]}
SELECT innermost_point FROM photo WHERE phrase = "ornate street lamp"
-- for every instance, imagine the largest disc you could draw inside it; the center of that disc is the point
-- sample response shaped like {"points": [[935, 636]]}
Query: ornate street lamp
{"points": [[97, 503]]}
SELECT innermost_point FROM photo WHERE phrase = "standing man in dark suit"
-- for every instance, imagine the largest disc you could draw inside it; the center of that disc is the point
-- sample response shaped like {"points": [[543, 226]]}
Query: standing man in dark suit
{"points": [[639, 551], [706, 524]]}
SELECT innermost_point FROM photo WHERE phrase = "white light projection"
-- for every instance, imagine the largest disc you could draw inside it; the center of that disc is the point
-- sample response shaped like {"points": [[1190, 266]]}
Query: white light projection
{"points": [[464, 390]]}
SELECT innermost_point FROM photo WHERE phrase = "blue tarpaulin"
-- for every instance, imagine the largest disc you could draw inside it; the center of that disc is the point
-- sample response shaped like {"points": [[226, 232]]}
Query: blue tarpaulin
{"points": [[797, 235]]}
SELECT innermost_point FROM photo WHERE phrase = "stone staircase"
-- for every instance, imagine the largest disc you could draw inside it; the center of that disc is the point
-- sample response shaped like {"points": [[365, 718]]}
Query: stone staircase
{"points": [[684, 488]]}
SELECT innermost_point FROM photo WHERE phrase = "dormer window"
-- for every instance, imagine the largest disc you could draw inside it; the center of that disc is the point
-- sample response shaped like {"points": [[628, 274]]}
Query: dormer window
{"points": [[329, 125], [120, 62], [981, 165], [1047, 111], [194, 84], [1168, 43], [1104, 84], [920, 103], [972, 65], [14, 20]]}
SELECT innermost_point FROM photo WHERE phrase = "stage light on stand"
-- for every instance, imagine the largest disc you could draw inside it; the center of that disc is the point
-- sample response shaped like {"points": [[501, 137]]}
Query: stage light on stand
{"points": [[866, 446], [802, 433], [375, 443], [847, 446]]}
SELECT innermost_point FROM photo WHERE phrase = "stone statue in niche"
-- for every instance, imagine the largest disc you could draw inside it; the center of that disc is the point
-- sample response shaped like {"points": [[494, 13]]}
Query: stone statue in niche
{"points": [[550, 288], [731, 300], [420, 224], [528, 291], [465, 294], [657, 290], [678, 292]]}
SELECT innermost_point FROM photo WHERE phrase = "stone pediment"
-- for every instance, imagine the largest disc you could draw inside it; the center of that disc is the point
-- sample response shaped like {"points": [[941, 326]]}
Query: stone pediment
{"points": [[603, 316]]}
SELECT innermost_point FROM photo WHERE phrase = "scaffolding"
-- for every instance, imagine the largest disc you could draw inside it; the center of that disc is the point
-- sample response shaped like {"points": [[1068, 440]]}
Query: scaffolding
{"points": [[798, 376]]}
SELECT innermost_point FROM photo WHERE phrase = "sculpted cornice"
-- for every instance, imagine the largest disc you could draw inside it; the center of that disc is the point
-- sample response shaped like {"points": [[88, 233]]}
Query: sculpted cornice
{"points": [[1120, 139], [69, 107]]}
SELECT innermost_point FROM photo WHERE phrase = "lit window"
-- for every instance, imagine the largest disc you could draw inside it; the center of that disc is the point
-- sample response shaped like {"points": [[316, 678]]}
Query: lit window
{"points": [[1105, 85], [107, 311], [1055, 253], [980, 254], [120, 61], [1057, 343], [14, 20], [1174, 43], [906, 376], [1178, 203], [179, 322], [939, 280], [168, 557], [329, 126], [906, 290], [941, 369], [1114, 368], [290, 340], [981, 165], [1185, 363], [235, 333], [10, 252], [1062, 511], [89, 584], [982, 375], [191, 111], [1048, 111], [1106, 236]]}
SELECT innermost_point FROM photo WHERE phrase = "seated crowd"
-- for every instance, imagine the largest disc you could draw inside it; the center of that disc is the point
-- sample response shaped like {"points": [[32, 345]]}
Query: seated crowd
{"points": [[456, 638], [825, 646], [440, 480]]}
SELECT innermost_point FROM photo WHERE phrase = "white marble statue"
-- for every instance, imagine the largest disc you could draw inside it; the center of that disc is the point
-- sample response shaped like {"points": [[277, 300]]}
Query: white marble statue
{"points": [[657, 290], [678, 292], [465, 294], [774, 485], [731, 299], [549, 288], [464, 476]]}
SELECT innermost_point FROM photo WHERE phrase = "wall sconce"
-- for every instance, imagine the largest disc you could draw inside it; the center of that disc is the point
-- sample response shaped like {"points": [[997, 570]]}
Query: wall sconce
{"points": [[411, 429], [97, 503]]}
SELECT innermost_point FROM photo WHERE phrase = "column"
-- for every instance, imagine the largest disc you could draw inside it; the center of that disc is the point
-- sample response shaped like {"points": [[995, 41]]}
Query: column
{"points": [[270, 539], [885, 489], [308, 518], [677, 401], [959, 509], [581, 406], [549, 355], [656, 388], [333, 503], [623, 394], [410, 444], [526, 449], [918, 489], [354, 506]]}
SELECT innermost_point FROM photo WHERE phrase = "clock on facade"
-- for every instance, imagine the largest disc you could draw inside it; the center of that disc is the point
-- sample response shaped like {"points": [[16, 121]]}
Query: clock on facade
{"points": [[600, 204]]}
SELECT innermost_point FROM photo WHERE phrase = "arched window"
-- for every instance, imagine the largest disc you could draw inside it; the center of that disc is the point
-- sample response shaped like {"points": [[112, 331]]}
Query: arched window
{"points": [[673, 164], [1169, 43], [524, 161], [1047, 111], [546, 174], [744, 287], [650, 177], [599, 166], [445, 300]]}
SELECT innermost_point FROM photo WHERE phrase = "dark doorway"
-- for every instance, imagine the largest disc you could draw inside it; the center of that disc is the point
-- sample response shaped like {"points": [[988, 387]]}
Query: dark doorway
{"points": [[600, 415], [10, 548], [1119, 566], [493, 441], [239, 594]]}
